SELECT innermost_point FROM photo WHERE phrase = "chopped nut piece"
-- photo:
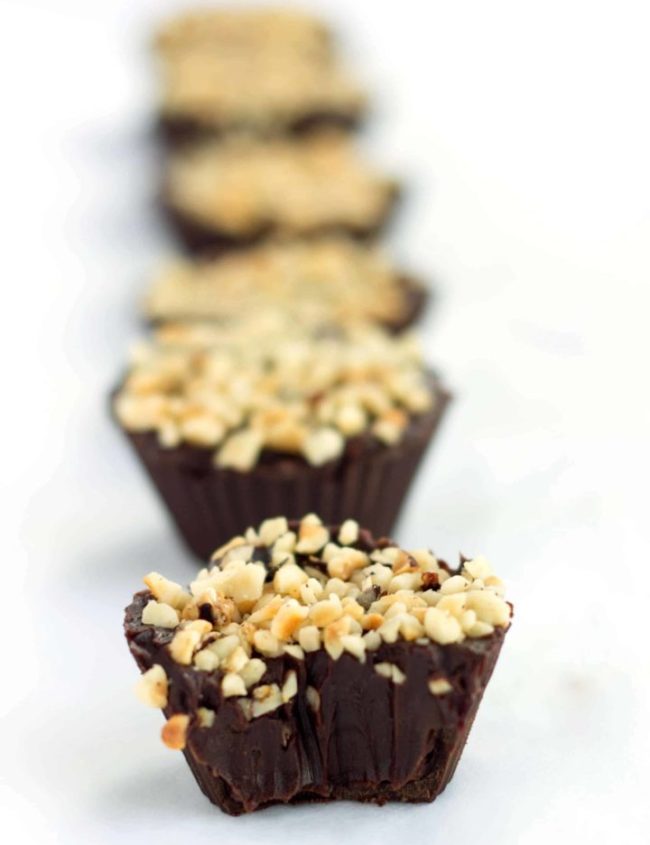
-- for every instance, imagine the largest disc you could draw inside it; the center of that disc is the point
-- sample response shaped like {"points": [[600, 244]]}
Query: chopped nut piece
{"points": [[151, 689], [290, 686], [287, 620], [390, 671], [309, 638], [349, 532], [206, 660], [206, 717], [288, 579], [441, 627], [312, 535], [322, 445], [266, 643], [232, 684], [241, 450], [489, 607], [160, 614], [313, 698], [174, 732], [266, 699], [253, 672], [272, 529], [439, 686], [168, 592], [182, 646]]}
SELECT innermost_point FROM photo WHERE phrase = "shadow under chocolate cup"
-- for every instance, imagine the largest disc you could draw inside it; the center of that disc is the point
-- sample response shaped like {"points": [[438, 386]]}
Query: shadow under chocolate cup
{"points": [[209, 504]]}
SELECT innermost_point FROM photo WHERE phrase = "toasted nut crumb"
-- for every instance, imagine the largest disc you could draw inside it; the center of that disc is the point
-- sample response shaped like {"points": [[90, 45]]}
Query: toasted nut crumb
{"points": [[232, 684], [266, 699], [349, 532], [266, 643], [174, 731], [253, 672], [182, 646], [441, 627], [166, 591], [288, 580], [160, 614], [313, 698], [439, 686], [323, 445], [390, 671], [272, 529], [489, 607], [455, 584], [206, 717], [287, 620], [354, 644], [241, 450], [324, 612], [312, 535], [294, 650], [290, 686], [152, 687], [231, 544], [309, 638], [206, 660]]}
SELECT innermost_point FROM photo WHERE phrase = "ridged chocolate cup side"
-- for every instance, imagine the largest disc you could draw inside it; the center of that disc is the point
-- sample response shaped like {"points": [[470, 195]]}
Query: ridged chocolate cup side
{"points": [[209, 505], [367, 738]]}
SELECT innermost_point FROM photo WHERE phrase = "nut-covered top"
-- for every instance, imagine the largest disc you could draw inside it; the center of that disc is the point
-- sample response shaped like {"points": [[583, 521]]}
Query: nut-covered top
{"points": [[242, 187], [264, 90], [258, 385], [331, 278], [296, 588], [245, 31]]}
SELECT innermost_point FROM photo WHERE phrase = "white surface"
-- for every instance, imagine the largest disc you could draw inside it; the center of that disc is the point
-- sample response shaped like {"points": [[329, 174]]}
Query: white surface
{"points": [[524, 130]]}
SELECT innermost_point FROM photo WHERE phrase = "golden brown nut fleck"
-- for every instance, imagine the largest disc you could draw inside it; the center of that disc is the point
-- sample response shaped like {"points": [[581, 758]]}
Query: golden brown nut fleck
{"points": [[174, 731], [206, 717], [439, 686], [152, 687]]}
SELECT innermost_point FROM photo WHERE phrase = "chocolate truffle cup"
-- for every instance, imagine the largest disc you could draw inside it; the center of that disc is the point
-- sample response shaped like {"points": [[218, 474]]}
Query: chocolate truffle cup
{"points": [[350, 732], [208, 504]]}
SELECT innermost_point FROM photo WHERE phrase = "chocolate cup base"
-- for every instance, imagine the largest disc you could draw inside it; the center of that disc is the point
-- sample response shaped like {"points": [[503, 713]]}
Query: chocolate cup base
{"points": [[209, 505], [201, 239]]}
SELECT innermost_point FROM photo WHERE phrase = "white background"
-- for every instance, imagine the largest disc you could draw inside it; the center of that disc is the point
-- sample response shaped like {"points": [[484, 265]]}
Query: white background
{"points": [[522, 131]]}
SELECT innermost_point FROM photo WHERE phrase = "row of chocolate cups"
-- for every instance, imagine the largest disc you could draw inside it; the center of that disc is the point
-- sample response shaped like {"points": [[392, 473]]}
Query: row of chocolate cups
{"points": [[279, 380], [332, 407]]}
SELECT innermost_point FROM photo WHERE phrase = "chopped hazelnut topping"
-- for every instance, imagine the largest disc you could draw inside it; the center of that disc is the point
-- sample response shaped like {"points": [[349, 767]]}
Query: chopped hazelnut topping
{"points": [[232, 685], [206, 717], [323, 596], [174, 731], [279, 388], [390, 671], [349, 532], [348, 282], [160, 614], [313, 698], [152, 687], [439, 686], [290, 686]]}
